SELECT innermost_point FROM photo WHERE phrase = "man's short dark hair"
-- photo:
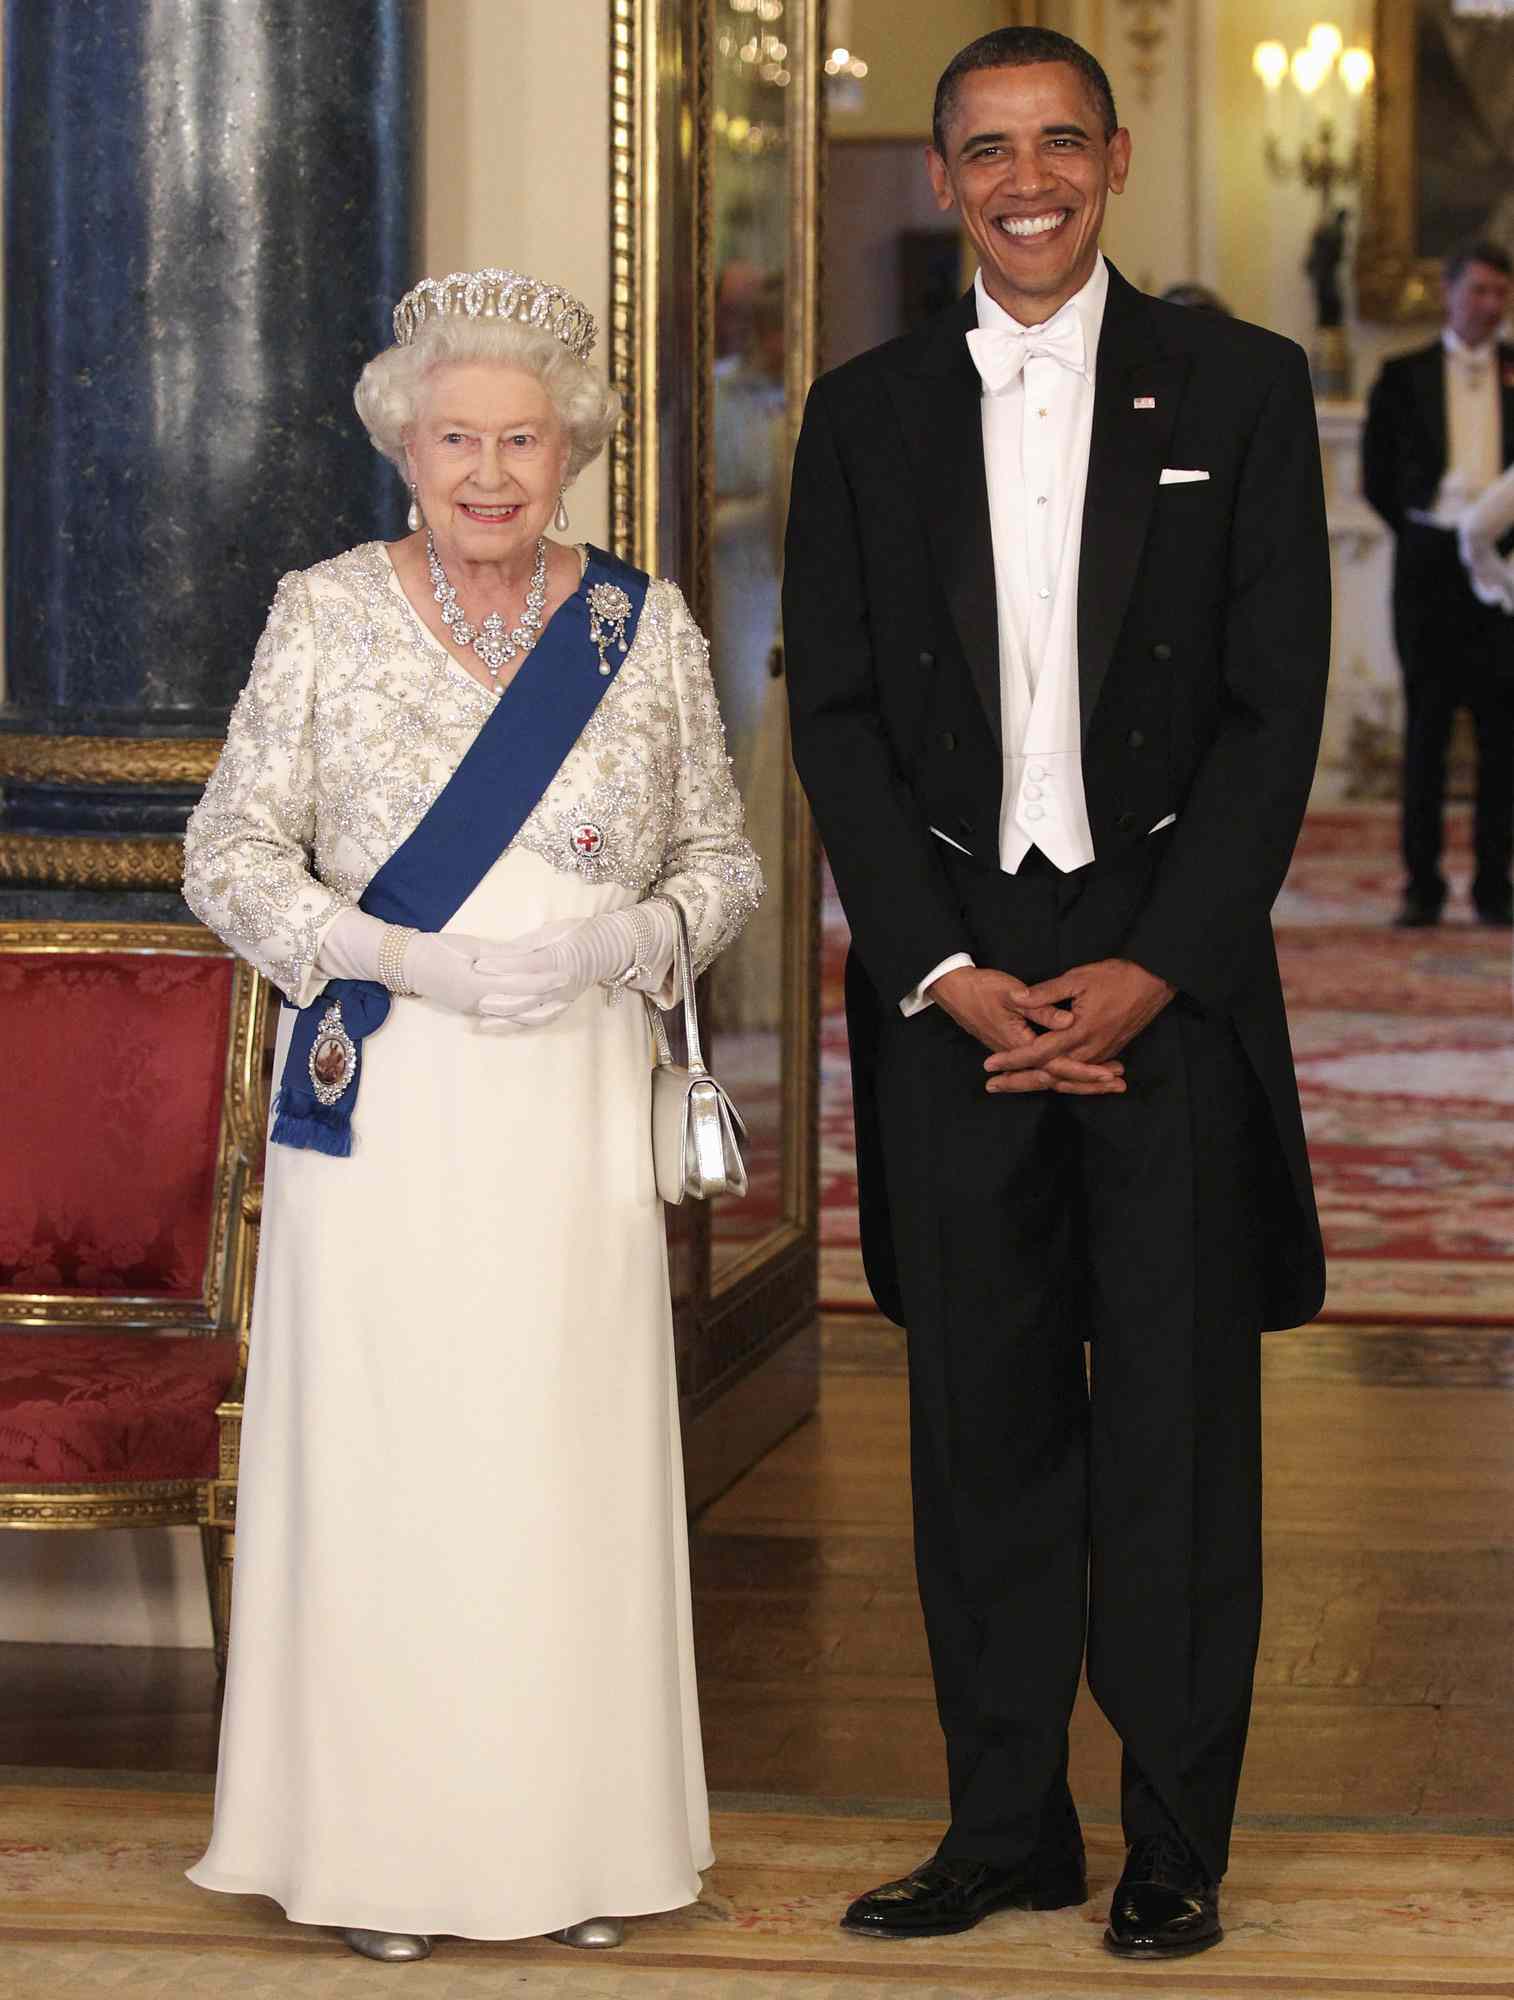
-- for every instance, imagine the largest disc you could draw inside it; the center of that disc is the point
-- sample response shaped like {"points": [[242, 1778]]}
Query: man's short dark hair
{"points": [[1017, 48], [1483, 251]]}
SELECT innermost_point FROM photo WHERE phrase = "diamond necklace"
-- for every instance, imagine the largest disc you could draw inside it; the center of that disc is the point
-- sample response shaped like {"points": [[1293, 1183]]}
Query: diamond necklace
{"points": [[493, 644]]}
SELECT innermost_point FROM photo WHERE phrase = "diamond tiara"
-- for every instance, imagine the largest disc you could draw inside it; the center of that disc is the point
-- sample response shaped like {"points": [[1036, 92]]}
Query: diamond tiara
{"points": [[498, 295]]}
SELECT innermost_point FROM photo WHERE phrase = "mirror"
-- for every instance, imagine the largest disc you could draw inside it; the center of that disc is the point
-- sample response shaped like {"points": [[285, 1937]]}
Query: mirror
{"points": [[715, 145], [759, 296]]}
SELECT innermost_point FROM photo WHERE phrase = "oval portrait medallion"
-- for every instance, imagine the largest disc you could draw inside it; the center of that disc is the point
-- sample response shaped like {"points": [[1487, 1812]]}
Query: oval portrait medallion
{"points": [[333, 1057]]}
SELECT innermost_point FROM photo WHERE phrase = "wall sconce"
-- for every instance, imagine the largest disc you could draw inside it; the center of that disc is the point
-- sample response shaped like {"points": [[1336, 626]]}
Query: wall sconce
{"points": [[844, 68], [1328, 82], [1314, 99]]}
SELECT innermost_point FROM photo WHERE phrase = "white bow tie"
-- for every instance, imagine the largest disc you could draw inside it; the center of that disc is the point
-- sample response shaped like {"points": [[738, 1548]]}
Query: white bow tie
{"points": [[999, 354]]}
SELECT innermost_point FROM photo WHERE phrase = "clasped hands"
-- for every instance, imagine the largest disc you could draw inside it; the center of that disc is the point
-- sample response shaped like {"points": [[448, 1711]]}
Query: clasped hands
{"points": [[521, 982], [1063, 1035]]}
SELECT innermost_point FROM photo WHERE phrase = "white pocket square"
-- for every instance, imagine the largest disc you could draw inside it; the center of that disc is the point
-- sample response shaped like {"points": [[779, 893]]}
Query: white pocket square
{"points": [[1173, 476]]}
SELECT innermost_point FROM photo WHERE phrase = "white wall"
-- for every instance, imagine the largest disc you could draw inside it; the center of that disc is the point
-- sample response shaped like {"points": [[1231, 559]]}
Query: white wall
{"points": [[515, 172], [517, 159]]}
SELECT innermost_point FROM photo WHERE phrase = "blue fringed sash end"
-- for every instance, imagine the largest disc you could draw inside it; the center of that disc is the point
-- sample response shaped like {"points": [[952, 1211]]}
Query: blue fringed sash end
{"points": [[311, 1127]]}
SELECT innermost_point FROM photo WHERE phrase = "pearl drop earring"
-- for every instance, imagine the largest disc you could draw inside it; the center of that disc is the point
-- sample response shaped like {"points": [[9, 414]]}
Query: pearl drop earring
{"points": [[560, 518], [413, 518]]}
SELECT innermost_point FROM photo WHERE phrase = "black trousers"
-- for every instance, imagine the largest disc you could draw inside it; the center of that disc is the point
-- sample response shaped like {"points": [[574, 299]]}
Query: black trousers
{"points": [[1455, 652], [1119, 1504]]}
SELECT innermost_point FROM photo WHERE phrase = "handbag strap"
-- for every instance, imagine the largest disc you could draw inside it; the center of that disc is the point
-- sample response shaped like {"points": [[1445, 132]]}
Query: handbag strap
{"points": [[683, 962]]}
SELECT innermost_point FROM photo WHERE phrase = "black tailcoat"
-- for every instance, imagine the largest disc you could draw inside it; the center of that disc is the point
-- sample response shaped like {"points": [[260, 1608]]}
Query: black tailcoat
{"points": [[1203, 649], [1404, 442]]}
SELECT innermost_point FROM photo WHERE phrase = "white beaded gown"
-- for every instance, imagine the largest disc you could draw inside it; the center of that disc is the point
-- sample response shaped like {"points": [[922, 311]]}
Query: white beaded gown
{"points": [[461, 1690]]}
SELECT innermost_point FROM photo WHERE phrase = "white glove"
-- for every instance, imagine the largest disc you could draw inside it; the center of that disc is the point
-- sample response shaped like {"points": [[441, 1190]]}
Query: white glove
{"points": [[1491, 578], [437, 965], [537, 977]]}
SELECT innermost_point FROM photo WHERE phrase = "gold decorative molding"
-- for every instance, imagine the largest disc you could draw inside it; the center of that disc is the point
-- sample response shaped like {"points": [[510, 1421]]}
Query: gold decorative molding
{"points": [[151, 1503], [1146, 33], [1393, 282], [108, 760], [630, 33], [32, 936], [90, 861]]}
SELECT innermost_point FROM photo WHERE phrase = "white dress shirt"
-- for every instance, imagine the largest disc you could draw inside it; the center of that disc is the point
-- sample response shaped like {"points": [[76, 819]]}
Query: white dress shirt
{"points": [[1474, 429], [1037, 425]]}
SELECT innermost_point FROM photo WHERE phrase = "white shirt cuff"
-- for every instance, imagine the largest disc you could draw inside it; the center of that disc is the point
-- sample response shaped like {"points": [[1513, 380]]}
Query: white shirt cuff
{"points": [[918, 997]]}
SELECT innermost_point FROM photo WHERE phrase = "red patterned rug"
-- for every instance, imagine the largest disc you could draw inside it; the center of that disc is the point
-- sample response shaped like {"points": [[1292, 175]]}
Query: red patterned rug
{"points": [[1405, 1050]]}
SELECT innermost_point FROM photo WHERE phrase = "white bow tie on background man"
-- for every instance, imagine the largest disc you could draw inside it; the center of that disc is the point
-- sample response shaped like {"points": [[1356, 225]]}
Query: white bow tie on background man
{"points": [[999, 352]]}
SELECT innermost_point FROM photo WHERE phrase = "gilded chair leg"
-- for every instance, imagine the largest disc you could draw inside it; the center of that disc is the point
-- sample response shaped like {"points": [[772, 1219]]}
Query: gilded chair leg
{"points": [[217, 1546]]}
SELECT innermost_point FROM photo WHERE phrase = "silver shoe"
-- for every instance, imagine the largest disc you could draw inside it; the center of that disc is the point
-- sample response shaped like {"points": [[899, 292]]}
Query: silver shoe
{"points": [[593, 1934], [392, 1947]]}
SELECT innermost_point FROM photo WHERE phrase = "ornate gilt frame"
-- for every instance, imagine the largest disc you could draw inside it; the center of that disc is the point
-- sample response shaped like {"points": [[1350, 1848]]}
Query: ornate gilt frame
{"points": [[95, 861], [1393, 283]]}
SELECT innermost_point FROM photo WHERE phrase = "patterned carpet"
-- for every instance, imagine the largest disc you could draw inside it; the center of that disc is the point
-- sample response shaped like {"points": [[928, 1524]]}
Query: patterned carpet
{"points": [[93, 1903], [1405, 1049]]}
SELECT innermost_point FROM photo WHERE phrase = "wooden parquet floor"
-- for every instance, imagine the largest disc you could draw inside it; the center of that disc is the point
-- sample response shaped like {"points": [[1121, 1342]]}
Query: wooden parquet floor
{"points": [[1386, 1687], [1386, 1684]]}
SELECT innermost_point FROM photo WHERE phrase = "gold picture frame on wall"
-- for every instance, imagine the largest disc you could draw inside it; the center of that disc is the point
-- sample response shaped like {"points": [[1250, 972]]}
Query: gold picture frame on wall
{"points": [[745, 1276], [1438, 171]]}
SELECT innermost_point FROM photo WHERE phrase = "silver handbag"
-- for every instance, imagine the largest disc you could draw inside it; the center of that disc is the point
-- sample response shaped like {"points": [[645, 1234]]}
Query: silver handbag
{"points": [[695, 1127]]}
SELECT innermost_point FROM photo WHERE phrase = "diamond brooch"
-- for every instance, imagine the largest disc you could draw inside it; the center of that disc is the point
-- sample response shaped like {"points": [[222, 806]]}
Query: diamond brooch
{"points": [[609, 614]]}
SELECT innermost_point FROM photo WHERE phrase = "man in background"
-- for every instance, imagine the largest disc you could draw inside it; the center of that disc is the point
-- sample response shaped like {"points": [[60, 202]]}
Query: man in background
{"points": [[1440, 430]]}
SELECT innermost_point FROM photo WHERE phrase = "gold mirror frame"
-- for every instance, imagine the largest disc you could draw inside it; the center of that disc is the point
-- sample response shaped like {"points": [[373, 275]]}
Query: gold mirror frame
{"points": [[1394, 281], [757, 1317]]}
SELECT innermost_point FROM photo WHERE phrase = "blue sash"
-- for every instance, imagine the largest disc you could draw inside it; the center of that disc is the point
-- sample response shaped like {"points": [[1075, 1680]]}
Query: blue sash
{"points": [[485, 803]]}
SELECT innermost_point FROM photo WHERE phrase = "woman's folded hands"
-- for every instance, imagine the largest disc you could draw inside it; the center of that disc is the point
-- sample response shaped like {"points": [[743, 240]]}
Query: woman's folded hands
{"points": [[514, 983], [535, 978]]}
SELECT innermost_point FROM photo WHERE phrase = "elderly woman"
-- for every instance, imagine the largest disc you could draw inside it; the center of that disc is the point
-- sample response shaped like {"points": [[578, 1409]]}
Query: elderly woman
{"points": [[468, 778]]}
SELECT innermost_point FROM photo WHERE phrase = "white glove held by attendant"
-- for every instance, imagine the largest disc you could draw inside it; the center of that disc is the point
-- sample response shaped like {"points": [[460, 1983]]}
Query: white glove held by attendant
{"points": [[437, 965], [1492, 578], [537, 977]]}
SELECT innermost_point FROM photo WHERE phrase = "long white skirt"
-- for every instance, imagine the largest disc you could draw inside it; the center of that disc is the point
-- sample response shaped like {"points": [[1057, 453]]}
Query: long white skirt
{"points": [[461, 1691]]}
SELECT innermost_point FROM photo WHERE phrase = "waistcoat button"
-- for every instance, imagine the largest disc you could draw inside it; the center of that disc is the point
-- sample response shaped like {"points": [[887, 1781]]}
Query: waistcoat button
{"points": [[1125, 822], [927, 659], [948, 739], [1161, 650], [1136, 740]]}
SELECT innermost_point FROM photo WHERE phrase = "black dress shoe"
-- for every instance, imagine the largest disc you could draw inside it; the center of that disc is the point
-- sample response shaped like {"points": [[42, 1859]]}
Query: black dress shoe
{"points": [[1499, 915], [946, 1895], [1164, 1905], [1418, 914]]}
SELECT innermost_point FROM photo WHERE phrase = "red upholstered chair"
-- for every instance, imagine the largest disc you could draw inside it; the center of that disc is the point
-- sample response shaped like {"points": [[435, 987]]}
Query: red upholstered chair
{"points": [[131, 1131]]}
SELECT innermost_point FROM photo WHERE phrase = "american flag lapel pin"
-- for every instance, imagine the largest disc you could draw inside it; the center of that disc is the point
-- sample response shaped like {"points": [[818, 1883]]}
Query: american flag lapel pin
{"points": [[1145, 402]]}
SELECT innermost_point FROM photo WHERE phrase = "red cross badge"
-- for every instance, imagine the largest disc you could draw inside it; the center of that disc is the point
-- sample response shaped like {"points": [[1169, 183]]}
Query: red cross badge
{"points": [[586, 840]]}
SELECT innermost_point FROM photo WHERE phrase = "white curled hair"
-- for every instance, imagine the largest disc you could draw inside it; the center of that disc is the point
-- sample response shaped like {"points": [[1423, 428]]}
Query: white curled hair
{"points": [[389, 390]]}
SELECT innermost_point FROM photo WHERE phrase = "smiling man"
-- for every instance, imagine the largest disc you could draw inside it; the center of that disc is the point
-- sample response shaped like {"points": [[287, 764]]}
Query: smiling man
{"points": [[1056, 612]]}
